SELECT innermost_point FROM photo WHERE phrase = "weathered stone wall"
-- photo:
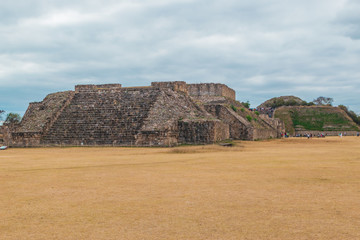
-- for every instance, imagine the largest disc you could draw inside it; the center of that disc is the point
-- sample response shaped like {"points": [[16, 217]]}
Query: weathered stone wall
{"points": [[260, 134], [25, 139], [210, 89], [170, 107], [157, 138], [202, 132], [274, 123], [7, 132], [175, 86], [40, 114], [6, 135], [239, 128], [95, 88]]}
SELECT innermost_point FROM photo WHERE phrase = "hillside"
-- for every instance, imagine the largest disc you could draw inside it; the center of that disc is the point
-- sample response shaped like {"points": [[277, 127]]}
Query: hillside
{"points": [[283, 101], [315, 118]]}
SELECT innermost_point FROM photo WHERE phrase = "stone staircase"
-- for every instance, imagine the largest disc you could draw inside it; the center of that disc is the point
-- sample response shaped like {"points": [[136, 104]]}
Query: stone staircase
{"points": [[102, 118]]}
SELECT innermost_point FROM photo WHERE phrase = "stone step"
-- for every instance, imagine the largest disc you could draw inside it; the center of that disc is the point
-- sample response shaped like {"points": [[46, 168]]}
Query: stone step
{"points": [[102, 118]]}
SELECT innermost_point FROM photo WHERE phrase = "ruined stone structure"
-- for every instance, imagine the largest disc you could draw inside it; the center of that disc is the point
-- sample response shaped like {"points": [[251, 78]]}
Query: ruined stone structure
{"points": [[163, 114]]}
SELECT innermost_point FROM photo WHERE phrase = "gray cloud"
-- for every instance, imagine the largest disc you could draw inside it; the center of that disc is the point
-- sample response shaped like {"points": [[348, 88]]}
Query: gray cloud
{"points": [[260, 48]]}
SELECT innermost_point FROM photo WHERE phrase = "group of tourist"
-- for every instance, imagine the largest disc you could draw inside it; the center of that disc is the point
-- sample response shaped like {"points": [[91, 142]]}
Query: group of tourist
{"points": [[267, 111], [310, 135], [285, 135], [319, 135]]}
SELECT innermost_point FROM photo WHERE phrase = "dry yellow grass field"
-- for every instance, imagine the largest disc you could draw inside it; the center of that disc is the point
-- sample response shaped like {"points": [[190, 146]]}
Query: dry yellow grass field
{"points": [[279, 189]]}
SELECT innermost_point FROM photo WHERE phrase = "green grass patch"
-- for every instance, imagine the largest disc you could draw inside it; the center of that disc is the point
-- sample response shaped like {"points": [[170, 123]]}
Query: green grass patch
{"points": [[317, 119]]}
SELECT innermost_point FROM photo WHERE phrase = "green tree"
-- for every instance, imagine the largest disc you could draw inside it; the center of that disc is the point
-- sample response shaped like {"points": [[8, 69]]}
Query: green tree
{"points": [[12, 118], [246, 104], [321, 101]]}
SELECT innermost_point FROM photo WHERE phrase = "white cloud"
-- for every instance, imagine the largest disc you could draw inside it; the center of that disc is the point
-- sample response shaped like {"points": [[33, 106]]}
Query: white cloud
{"points": [[261, 48], [60, 18]]}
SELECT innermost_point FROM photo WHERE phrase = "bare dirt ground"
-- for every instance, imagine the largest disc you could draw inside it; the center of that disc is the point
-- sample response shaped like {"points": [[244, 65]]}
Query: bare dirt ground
{"points": [[279, 189]]}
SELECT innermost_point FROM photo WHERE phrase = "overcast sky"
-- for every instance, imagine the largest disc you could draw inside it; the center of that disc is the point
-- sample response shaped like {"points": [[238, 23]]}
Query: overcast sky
{"points": [[260, 48]]}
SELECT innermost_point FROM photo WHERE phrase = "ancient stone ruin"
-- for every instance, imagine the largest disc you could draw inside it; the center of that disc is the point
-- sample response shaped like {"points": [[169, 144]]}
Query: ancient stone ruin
{"points": [[163, 114]]}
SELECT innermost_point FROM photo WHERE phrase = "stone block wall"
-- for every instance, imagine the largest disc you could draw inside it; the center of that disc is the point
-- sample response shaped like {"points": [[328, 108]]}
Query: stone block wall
{"points": [[7, 132], [170, 107], [156, 138], [239, 128], [275, 123], [94, 88], [210, 89], [175, 86], [25, 139], [202, 132], [259, 134]]}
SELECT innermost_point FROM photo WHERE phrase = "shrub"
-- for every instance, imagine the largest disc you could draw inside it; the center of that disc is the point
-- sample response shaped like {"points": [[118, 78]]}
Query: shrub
{"points": [[242, 110], [249, 118], [233, 108]]}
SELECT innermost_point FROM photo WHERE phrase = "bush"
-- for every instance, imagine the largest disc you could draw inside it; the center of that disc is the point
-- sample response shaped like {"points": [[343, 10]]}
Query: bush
{"points": [[257, 113], [233, 108], [242, 110], [311, 104], [249, 118]]}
